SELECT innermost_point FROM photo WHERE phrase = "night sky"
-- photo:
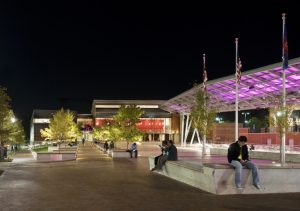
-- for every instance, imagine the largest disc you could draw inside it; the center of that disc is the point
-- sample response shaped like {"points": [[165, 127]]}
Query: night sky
{"points": [[66, 54]]}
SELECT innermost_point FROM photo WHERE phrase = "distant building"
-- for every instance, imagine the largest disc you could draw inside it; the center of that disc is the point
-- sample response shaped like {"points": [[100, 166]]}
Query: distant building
{"points": [[156, 123]]}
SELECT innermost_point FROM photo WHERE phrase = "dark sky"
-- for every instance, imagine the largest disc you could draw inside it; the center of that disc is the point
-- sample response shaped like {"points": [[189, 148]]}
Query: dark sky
{"points": [[71, 52]]}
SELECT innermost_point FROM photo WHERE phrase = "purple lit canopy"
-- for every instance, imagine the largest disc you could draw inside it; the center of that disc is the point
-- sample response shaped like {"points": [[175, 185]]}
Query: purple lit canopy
{"points": [[256, 88]]}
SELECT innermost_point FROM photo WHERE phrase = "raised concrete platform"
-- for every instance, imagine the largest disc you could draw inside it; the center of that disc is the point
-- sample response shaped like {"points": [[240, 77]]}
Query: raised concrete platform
{"points": [[219, 178]]}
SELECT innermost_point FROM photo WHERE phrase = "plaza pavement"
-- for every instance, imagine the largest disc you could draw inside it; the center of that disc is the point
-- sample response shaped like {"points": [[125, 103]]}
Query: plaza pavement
{"points": [[98, 182]]}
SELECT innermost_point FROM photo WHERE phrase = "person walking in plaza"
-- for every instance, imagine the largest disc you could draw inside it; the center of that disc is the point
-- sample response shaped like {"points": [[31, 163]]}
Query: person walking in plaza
{"points": [[83, 140], [238, 157]]}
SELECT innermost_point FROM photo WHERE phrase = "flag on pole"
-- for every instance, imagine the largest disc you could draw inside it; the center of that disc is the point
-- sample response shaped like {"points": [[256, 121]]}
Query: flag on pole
{"points": [[284, 44], [204, 74], [238, 72]]}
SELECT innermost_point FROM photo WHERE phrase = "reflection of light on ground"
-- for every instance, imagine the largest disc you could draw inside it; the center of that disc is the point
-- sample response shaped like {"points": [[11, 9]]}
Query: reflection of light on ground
{"points": [[22, 160], [19, 184]]}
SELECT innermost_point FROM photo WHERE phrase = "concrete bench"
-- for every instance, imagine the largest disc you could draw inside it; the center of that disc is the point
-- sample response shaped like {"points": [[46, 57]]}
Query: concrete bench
{"points": [[115, 153], [54, 156], [119, 153], [219, 178]]}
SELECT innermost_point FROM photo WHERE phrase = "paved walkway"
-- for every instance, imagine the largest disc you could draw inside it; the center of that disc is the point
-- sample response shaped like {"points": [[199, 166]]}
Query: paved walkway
{"points": [[88, 152], [96, 182]]}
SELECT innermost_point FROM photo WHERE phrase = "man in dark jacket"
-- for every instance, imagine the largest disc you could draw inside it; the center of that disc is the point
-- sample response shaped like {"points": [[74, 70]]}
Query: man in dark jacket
{"points": [[170, 153], [238, 157]]}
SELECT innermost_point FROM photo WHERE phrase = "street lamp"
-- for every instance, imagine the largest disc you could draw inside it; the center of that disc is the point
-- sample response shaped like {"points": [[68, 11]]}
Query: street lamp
{"points": [[13, 119], [219, 119], [245, 113]]}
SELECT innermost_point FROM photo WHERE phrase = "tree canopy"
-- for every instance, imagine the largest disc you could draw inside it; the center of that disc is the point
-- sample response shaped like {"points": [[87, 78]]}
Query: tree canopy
{"points": [[123, 125], [201, 116], [61, 127], [125, 120], [279, 116], [11, 132]]}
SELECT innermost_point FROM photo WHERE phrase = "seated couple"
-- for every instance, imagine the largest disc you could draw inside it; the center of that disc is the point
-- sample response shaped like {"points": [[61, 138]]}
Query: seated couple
{"points": [[168, 152]]}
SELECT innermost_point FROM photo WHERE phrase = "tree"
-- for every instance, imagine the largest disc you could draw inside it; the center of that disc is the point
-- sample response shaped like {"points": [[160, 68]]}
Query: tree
{"points": [[202, 117], [61, 127], [255, 124], [279, 118], [11, 132], [103, 132], [4, 115], [17, 134], [125, 121]]}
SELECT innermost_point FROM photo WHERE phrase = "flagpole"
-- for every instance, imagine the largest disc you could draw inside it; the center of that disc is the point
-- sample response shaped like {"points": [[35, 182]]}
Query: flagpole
{"points": [[236, 93], [284, 62], [204, 93]]}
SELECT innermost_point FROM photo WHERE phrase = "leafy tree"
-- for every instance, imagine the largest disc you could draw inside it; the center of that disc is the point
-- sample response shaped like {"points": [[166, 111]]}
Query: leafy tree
{"points": [[17, 134], [10, 132], [102, 132], [259, 123], [4, 115], [61, 127], [115, 133], [125, 122], [279, 118], [202, 117]]}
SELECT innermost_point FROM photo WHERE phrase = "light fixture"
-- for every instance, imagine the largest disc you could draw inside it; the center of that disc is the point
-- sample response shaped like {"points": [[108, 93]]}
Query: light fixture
{"points": [[13, 119]]}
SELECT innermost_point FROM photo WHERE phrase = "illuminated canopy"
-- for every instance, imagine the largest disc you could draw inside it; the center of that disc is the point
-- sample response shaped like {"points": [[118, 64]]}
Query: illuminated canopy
{"points": [[256, 89]]}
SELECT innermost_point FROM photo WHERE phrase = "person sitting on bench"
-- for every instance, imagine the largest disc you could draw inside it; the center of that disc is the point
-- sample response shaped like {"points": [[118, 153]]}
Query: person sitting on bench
{"points": [[238, 157], [170, 153], [133, 149]]}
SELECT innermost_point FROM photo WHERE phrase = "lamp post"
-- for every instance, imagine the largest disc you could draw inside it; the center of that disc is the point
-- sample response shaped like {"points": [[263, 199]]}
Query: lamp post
{"points": [[219, 119], [245, 113]]}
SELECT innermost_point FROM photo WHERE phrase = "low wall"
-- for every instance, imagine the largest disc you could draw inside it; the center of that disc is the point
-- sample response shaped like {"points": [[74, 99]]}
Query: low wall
{"points": [[219, 178]]}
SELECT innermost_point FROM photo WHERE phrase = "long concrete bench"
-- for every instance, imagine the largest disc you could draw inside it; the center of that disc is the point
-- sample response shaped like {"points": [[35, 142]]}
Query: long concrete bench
{"points": [[219, 178], [54, 156]]}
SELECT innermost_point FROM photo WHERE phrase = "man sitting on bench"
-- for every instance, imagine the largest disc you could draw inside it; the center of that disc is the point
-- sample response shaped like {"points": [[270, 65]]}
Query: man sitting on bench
{"points": [[238, 157], [170, 153], [133, 149]]}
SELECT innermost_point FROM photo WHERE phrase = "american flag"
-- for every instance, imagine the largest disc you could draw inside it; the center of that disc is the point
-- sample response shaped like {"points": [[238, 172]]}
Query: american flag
{"points": [[204, 74], [238, 72]]}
